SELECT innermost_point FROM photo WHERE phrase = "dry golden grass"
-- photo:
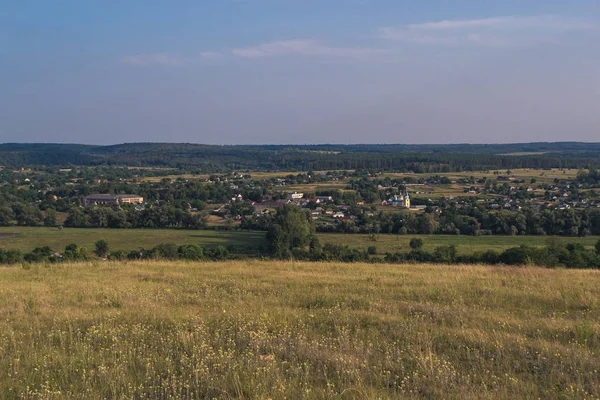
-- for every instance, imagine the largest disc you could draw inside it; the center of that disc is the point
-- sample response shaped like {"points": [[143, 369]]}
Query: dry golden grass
{"points": [[297, 330]]}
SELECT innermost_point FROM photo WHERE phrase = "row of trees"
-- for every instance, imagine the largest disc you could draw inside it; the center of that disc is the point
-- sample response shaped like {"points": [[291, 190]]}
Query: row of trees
{"points": [[469, 220], [292, 234], [442, 158], [553, 255], [165, 216], [72, 252]]}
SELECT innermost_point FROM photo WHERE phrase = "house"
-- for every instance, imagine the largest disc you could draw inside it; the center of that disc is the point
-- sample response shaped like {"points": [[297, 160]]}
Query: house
{"points": [[111, 199], [129, 199], [295, 195], [338, 214], [261, 207], [324, 199]]}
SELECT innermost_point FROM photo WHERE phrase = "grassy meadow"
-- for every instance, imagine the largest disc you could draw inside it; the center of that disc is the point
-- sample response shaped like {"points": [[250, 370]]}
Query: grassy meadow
{"points": [[26, 239], [297, 330]]}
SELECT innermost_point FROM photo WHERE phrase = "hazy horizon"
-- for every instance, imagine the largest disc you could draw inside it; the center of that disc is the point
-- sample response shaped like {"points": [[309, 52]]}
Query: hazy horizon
{"points": [[299, 72], [304, 144]]}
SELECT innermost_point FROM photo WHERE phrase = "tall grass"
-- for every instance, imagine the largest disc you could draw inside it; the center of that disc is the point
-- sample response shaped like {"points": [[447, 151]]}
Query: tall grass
{"points": [[297, 330]]}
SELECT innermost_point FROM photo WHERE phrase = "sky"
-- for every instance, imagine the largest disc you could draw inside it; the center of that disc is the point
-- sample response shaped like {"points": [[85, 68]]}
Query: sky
{"points": [[299, 71]]}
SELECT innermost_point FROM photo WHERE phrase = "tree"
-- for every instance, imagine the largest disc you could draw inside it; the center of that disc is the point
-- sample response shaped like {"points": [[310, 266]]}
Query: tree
{"points": [[50, 219], [416, 243], [6, 216], [101, 248], [598, 247], [291, 229]]}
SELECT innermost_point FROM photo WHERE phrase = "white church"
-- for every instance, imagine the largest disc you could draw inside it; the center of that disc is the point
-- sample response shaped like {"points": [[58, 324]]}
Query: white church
{"points": [[402, 201]]}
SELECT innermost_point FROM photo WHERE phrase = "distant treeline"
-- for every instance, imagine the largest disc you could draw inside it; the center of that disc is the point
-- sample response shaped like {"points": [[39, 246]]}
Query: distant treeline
{"points": [[211, 158]]}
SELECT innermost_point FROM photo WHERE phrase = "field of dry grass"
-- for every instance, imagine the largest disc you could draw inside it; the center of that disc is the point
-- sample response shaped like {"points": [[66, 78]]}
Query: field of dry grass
{"points": [[542, 175], [297, 330]]}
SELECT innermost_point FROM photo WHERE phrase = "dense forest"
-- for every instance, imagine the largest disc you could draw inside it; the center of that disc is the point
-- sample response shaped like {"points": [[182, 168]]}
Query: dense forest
{"points": [[212, 158]]}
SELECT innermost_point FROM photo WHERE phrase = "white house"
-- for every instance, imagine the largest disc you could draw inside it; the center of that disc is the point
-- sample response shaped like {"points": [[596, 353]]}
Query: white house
{"points": [[295, 195]]}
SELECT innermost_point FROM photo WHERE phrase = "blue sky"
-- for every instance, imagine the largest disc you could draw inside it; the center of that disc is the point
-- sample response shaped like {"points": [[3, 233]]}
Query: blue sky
{"points": [[299, 71]]}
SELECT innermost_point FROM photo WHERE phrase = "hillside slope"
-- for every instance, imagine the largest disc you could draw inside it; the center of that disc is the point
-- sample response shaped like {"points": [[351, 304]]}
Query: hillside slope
{"points": [[297, 330]]}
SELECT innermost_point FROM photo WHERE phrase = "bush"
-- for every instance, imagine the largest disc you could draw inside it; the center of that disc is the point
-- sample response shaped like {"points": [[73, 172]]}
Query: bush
{"points": [[490, 257], [39, 254], [118, 255], [445, 254], [217, 253], [372, 250], [11, 256], [516, 256], [416, 243], [191, 252], [338, 252], [74, 253], [168, 251]]}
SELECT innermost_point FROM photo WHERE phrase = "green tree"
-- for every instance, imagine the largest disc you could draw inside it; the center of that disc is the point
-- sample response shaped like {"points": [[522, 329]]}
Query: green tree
{"points": [[101, 248], [291, 229], [6, 216], [50, 219]]}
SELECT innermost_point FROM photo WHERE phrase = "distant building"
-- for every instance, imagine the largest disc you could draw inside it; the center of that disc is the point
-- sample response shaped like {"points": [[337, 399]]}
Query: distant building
{"points": [[295, 195], [400, 201], [324, 199], [111, 199]]}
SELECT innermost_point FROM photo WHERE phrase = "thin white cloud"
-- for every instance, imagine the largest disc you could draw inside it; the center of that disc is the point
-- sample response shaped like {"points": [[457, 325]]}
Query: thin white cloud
{"points": [[154, 59], [312, 48], [495, 31], [209, 55], [169, 59]]}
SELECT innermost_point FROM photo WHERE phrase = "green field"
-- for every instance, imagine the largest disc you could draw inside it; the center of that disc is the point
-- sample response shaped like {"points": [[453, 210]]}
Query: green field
{"points": [[284, 330], [26, 239], [465, 244]]}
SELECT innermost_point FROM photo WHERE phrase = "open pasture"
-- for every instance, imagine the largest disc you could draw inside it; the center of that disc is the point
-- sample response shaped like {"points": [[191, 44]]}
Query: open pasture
{"points": [[465, 244], [26, 239]]}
